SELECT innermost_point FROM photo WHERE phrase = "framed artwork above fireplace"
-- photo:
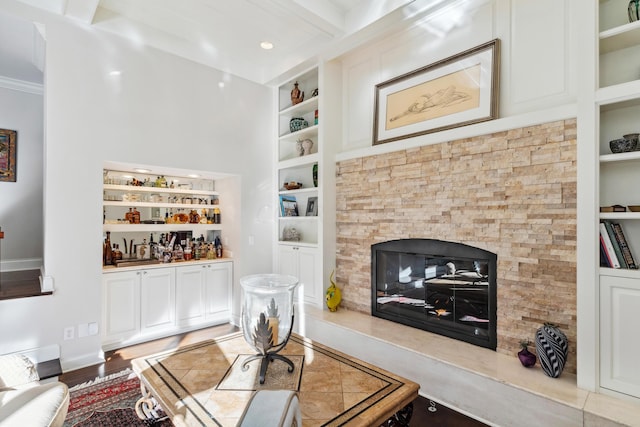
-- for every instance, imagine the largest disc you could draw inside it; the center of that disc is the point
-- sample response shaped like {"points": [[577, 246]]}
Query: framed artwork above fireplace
{"points": [[456, 91]]}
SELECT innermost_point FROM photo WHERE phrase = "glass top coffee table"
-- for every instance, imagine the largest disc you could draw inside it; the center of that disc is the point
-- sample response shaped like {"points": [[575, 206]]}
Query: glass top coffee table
{"points": [[204, 384]]}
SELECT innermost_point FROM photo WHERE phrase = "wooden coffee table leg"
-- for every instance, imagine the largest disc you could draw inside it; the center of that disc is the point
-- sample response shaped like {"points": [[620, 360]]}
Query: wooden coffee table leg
{"points": [[145, 405], [400, 418]]}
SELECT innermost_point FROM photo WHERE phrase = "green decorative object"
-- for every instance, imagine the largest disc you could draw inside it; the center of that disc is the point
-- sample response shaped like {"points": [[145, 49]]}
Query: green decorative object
{"points": [[633, 10], [333, 295], [315, 175]]}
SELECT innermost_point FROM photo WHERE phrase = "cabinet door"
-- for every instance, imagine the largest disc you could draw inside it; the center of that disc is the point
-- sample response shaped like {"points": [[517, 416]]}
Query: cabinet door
{"points": [[288, 260], [218, 290], [157, 293], [308, 274], [120, 306], [190, 299], [288, 264], [301, 262], [619, 346]]}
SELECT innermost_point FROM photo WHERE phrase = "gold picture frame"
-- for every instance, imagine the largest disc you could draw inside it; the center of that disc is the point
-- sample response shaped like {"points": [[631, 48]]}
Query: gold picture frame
{"points": [[8, 155], [456, 91]]}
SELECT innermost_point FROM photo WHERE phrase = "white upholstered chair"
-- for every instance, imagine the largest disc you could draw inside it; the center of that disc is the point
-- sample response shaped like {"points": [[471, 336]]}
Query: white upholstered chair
{"points": [[272, 408], [24, 400]]}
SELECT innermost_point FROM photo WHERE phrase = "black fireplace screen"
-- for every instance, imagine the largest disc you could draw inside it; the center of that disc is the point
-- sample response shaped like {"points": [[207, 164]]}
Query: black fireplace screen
{"points": [[443, 287]]}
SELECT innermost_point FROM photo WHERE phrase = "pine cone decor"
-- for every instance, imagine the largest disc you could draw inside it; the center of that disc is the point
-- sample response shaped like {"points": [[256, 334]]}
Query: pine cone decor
{"points": [[552, 347]]}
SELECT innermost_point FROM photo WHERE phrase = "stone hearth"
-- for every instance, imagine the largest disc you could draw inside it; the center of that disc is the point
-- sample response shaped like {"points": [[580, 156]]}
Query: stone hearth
{"points": [[512, 193]]}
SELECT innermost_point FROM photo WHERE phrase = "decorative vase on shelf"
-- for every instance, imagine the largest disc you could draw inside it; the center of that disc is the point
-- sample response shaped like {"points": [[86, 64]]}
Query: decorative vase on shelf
{"points": [[552, 347], [297, 96], [315, 175], [633, 10]]}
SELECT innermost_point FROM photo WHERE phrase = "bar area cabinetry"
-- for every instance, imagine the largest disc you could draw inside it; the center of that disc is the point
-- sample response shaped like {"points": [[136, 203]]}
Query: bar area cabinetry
{"points": [[144, 304], [170, 276]]}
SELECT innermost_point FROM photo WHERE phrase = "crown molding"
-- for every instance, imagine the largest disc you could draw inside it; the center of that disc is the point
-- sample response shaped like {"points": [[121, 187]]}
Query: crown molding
{"points": [[21, 85]]}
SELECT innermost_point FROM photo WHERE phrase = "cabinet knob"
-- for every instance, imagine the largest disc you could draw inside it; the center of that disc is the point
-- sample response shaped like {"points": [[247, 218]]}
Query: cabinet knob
{"points": [[137, 273], [144, 272]]}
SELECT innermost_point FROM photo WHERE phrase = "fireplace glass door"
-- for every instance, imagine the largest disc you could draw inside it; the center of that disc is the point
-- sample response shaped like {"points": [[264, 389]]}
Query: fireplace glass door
{"points": [[444, 288]]}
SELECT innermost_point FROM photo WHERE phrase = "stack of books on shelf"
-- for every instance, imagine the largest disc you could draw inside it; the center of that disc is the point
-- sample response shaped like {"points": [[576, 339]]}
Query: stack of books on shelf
{"points": [[614, 250]]}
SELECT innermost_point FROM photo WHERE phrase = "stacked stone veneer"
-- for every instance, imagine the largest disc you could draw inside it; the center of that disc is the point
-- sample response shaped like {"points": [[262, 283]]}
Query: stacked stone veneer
{"points": [[512, 193]]}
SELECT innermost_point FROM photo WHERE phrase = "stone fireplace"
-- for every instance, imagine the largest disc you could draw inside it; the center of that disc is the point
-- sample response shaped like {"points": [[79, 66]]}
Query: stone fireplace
{"points": [[512, 193]]}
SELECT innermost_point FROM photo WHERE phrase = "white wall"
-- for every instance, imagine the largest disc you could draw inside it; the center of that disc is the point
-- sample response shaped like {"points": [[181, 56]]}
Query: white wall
{"points": [[161, 111], [536, 83], [21, 201]]}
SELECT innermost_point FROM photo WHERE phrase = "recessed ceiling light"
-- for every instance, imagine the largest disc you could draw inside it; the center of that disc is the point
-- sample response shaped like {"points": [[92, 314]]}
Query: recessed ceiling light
{"points": [[266, 45], [115, 73], [142, 170], [220, 85], [193, 175]]}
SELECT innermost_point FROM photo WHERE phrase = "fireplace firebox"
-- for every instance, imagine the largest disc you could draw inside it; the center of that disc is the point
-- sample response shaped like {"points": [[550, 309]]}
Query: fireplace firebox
{"points": [[447, 288]]}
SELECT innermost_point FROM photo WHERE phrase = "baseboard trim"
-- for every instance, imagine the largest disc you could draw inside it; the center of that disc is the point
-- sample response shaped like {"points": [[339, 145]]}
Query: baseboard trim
{"points": [[21, 264]]}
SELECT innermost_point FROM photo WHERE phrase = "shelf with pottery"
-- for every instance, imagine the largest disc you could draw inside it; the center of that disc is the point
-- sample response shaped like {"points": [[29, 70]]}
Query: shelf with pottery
{"points": [[618, 43], [619, 37], [309, 105], [295, 152]]}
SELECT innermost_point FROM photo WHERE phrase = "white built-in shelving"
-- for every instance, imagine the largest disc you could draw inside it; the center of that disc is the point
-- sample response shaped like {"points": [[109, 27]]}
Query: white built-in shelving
{"points": [[616, 109]]}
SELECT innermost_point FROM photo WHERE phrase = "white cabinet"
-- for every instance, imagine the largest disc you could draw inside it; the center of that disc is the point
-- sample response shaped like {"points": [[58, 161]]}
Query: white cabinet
{"points": [[157, 300], [620, 304], [218, 280], [203, 293], [304, 263], [121, 306], [190, 289], [145, 304]]}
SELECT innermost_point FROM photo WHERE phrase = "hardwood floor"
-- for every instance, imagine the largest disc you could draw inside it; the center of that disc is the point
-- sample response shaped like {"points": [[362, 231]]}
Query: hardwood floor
{"points": [[117, 360], [20, 284]]}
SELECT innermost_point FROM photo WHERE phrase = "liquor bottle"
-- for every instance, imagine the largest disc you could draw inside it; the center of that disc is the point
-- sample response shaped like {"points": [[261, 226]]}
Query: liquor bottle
{"points": [[216, 216], [136, 216], [117, 254], [108, 254], [218, 246], [129, 216]]}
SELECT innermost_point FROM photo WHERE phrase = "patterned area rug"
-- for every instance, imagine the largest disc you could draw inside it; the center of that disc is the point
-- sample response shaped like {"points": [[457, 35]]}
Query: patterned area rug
{"points": [[109, 401]]}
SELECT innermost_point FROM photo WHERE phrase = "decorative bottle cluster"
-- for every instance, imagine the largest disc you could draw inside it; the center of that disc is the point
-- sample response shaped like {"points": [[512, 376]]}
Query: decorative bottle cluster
{"points": [[168, 248]]}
